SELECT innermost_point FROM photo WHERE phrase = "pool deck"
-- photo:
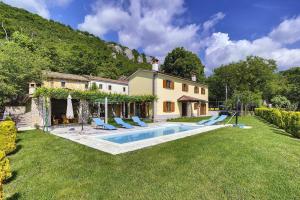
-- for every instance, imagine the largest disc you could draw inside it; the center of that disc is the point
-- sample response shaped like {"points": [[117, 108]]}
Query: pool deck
{"points": [[90, 136]]}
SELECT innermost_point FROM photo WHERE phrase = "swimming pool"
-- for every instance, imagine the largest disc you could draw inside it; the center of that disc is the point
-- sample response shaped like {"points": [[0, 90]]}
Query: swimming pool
{"points": [[147, 134]]}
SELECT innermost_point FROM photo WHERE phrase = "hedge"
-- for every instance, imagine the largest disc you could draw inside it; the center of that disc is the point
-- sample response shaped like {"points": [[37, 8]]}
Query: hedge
{"points": [[5, 172], [287, 120], [8, 133]]}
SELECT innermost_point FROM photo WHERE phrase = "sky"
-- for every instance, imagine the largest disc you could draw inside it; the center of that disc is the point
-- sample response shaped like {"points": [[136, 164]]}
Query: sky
{"points": [[218, 31]]}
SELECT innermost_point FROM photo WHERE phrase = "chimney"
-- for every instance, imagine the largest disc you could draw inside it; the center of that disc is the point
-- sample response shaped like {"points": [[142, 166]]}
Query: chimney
{"points": [[32, 87], [194, 77], [155, 65]]}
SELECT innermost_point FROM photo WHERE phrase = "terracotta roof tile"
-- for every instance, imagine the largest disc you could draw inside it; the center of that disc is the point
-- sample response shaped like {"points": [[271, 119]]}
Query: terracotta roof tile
{"points": [[188, 98]]}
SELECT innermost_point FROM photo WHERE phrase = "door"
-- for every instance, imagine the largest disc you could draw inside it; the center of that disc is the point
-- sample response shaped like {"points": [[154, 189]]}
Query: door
{"points": [[203, 109], [184, 109]]}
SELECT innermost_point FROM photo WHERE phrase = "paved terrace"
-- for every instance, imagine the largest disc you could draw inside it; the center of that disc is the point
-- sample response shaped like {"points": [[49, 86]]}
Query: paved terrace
{"points": [[91, 136]]}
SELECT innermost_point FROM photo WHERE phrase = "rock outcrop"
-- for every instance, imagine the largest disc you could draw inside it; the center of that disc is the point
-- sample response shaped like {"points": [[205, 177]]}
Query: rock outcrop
{"points": [[128, 53]]}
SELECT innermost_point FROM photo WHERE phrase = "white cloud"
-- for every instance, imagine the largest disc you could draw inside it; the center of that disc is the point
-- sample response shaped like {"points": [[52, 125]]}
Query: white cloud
{"points": [[146, 24], [106, 19], [151, 26], [220, 49], [288, 32], [209, 24], [35, 6], [40, 7]]}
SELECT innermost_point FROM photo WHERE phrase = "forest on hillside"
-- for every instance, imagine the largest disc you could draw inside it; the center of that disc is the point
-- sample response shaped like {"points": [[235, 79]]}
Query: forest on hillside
{"points": [[63, 48], [30, 43]]}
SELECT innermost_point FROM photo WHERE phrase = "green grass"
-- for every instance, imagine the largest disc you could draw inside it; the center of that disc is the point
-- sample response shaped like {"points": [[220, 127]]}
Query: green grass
{"points": [[188, 119], [229, 163]]}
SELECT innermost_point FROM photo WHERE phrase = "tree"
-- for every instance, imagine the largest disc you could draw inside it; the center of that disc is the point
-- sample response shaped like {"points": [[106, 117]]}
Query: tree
{"points": [[17, 71], [247, 100], [280, 101], [181, 62], [24, 41], [291, 89], [254, 74]]}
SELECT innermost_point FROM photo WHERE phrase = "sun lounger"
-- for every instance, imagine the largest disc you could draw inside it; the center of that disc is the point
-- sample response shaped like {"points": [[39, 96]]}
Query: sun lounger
{"points": [[207, 120], [219, 119], [138, 121], [120, 122], [101, 123]]}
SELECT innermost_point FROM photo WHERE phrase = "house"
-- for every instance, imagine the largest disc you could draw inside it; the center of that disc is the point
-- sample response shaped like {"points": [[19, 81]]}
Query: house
{"points": [[177, 97], [57, 108], [109, 85]]}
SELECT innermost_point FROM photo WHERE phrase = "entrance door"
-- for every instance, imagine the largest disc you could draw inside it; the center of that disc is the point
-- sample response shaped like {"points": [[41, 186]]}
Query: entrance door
{"points": [[184, 109], [203, 109]]}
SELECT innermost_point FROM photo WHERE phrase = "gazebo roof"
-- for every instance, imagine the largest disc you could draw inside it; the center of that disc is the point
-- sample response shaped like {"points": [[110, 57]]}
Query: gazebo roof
{"points": [[185, 98]]}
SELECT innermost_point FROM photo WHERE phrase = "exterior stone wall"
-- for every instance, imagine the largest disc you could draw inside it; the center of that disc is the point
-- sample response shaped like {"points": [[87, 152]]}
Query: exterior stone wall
{"points": [[38, 112], [15, 110]]}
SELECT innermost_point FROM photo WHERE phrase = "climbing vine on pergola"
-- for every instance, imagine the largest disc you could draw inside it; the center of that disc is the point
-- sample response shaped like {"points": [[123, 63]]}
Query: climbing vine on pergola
{"points": [[91, 95]]}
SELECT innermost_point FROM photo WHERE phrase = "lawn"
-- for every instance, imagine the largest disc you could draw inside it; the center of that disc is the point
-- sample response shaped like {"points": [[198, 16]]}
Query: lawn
{"points": [[188, 119], [229, 163]]}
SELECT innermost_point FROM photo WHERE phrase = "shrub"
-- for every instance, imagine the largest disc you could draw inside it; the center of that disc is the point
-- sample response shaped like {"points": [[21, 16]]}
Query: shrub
{"points": [[288, 120], [8, 118], [280, 102], [8, 133], [5, 172]]}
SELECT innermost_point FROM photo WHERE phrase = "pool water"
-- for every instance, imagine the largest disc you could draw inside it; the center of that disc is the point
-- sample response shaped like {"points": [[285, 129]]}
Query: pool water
{"points": [[146, 134]]}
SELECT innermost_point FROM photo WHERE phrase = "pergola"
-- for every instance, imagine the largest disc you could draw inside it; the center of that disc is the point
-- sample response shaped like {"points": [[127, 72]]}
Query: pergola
{"points": [[91, 96]]}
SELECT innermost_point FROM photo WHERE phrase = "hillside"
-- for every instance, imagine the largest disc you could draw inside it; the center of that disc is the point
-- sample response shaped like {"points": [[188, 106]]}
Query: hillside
{"points": [[61, 48]]}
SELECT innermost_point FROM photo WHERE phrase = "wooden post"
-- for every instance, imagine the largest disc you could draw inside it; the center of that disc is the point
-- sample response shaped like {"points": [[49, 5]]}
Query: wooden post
{"points": [[128, 106], [106, 111], [121, 110], [124, 111], [99, 109]]}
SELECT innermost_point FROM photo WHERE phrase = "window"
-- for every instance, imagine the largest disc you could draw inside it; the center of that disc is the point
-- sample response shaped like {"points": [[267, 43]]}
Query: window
{"points": [[100, 86], [202, 90], [38, 85], [185, 87], [168, 106], [168, 84], [196, 90], [124, 89], [86, 86], [109, 87], [32, 85], [63, 84]]}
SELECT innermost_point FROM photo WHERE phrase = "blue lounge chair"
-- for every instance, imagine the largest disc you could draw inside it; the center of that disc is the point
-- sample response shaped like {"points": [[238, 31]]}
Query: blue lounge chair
{"points": [[101, 123], [219, 119], [207, 120], [120, 122], [138, 121]]}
